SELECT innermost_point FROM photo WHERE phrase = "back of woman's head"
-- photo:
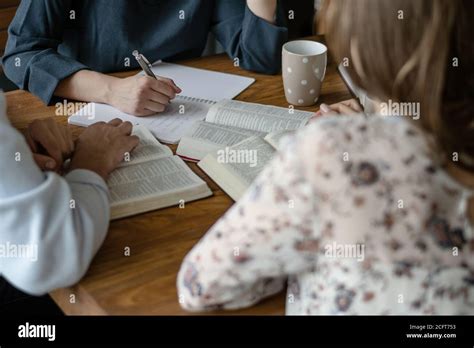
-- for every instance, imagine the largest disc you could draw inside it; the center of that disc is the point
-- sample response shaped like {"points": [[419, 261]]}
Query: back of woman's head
{"points": [[417, 51]]}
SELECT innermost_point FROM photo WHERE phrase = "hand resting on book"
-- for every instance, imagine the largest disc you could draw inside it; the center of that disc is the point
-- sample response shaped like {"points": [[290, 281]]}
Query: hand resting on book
{"points": [[102, 147]]}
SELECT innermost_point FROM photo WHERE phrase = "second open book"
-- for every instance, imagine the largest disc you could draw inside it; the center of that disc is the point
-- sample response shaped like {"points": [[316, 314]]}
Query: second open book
{"points": [[237, 140], [152, 178]]}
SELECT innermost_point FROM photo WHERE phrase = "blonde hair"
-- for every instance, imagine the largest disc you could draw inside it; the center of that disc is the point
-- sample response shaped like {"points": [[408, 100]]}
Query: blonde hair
{"points": [[407, 50]]}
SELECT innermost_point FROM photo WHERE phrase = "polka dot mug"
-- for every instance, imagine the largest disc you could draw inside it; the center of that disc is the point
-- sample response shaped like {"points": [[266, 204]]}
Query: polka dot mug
{"points": [[304, 68]]}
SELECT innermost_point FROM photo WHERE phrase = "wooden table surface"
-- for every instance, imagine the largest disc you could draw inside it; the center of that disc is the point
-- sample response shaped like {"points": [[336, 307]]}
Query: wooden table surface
{"points": [[144, 283]]}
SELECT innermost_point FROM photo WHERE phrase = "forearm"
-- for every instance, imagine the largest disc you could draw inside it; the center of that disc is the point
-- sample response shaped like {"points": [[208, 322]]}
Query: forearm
{"points": [[66, 223], [87, 85], [264, 9]]}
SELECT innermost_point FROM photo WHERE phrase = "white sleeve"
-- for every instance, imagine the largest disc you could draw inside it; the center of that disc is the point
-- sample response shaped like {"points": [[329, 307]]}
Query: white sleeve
{"points": [[50, 227]]}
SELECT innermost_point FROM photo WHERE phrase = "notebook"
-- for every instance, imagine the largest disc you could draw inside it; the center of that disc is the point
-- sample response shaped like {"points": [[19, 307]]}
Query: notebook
{"points": [[201, 89]]}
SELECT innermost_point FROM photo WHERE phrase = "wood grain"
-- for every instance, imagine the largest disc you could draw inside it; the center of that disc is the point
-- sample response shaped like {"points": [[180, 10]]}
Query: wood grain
{"points": [[144, 283]]}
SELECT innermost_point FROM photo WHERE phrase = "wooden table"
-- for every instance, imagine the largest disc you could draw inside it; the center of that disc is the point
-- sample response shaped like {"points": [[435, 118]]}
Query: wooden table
{"points": [[144, 283]]}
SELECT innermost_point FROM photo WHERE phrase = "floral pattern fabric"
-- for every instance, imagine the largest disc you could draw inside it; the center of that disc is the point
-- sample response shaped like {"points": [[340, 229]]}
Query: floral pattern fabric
{"points": [[341, 185]]}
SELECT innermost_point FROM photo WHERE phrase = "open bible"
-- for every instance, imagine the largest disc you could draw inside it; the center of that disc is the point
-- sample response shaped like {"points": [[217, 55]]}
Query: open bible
{"points": [[234, 168], [230, 122], [151, 178]]}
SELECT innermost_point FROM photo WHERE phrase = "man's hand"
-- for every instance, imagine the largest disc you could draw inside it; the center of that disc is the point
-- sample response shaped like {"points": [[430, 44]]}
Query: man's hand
{"points": [[102, 147], [51, 144], [141, 96]]}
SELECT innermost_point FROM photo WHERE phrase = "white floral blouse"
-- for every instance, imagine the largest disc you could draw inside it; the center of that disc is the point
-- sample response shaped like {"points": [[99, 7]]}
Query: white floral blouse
{"points": [[354, 216]]}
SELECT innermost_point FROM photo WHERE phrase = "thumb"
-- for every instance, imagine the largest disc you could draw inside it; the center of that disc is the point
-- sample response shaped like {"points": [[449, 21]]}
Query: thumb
{"points": [[45, 163]]}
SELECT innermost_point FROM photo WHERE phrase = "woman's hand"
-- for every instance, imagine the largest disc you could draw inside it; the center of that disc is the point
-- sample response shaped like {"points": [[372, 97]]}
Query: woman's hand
{"points": [[136, 95], [347, 107], [51, 144], [141, 96]]}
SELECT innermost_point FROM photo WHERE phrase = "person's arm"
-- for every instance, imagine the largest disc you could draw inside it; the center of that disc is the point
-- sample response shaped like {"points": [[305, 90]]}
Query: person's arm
{"points": [[135, 95], [33, 63], [248, 31], [61, 221], [64, 220], [265, 9], [31, 58], [272, 232]]}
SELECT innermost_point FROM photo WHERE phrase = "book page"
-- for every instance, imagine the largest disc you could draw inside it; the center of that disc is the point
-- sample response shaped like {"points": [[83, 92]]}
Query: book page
{"points": [[153, 178], [274, 138], [168, 126], [247, 158], [205, 137], [257, 117], [221, 135], [148, 149]]}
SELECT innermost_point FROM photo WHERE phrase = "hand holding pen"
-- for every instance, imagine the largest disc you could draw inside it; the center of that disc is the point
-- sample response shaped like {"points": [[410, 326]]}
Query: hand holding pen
{"points": [[143, 95]]}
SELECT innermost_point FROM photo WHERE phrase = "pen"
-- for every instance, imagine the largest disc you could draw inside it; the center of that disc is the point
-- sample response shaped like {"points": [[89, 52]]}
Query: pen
{"points": [[144, 64]]}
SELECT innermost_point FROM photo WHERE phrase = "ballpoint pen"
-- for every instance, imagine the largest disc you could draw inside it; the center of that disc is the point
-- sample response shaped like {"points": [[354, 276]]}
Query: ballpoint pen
{"points": [[144, 63]]}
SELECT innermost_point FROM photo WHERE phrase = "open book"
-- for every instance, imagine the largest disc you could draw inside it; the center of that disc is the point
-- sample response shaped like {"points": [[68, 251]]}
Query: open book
{"points": [[152, 178], [234, 168], [230, 122], [190, 106]]}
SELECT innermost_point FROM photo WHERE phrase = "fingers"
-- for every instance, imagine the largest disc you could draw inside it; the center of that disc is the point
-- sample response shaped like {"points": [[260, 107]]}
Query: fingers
{"points": [[60, 141], [353, 104], [144, 112], [125, 128], [56, 140], [115, 122], [347, 107], [153, 106], [126, 145], [41, 133], [325, 109], [151, 96], [160, 86], [31, 142], [315, 117], [157, 97], [171, 83], [45, 163], [132, 142], [343, 109], [69, 141]]}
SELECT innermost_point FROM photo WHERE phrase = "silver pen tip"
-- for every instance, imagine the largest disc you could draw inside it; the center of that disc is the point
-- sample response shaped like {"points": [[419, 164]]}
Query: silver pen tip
{"points": [[135, 54]]}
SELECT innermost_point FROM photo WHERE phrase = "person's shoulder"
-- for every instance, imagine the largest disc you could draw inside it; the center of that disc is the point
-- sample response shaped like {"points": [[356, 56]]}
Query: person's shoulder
{"points": [[361, 133], [329, 145]]}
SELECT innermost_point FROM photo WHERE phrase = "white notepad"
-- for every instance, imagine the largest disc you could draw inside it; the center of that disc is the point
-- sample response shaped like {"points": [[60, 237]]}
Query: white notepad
{"points": [[200, 90]]}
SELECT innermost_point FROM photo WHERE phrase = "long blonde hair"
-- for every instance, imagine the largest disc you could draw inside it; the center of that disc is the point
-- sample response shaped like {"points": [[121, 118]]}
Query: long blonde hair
{"points": [[413, 51]]}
